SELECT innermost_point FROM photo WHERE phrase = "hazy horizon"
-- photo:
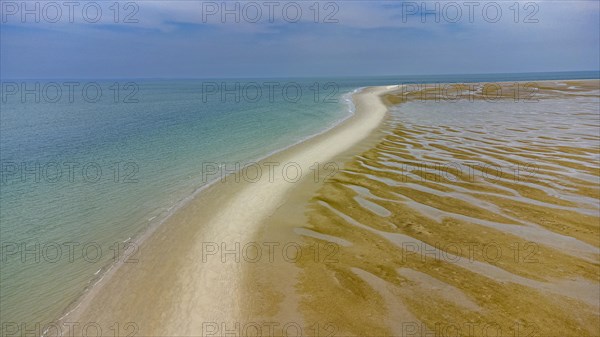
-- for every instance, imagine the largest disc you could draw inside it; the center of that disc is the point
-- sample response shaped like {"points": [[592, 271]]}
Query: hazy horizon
{"points": [[205, 39]]}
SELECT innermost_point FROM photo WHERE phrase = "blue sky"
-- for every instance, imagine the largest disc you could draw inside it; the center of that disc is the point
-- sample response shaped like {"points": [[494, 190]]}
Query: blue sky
{"points": [[190, 39]]}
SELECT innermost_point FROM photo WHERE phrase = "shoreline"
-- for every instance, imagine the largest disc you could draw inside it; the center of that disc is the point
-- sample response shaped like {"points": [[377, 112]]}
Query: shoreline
{"points": [[145, 233], [172, 284], [388, 224], [358, 125]]}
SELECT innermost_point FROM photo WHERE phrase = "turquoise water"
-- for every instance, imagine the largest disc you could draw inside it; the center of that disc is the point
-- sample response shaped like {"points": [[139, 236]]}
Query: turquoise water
{"points": [[82, 177]]}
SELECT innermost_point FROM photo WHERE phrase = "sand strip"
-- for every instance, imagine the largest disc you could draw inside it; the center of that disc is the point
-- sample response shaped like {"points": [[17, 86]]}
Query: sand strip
{"points": [[180, 285]]}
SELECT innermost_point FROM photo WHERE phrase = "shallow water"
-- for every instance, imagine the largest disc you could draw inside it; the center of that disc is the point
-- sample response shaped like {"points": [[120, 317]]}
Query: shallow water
{"points": [[496, 202], [90, 177], [82, 179]]}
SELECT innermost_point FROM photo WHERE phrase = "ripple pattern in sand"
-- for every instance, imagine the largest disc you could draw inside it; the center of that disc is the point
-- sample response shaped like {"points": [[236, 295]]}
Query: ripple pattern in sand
{"points": [[468, 216]]}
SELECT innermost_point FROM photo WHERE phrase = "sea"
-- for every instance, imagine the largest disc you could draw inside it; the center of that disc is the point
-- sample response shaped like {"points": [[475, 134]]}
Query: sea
{"points": [[89, 165]]}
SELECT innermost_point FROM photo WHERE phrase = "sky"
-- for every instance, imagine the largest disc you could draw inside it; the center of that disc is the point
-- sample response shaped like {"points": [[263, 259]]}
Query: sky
{"points": [[215, 39]]}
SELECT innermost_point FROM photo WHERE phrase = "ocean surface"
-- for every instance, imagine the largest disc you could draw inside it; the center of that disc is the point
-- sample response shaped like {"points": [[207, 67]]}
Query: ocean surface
{"points": [[89, 165]]}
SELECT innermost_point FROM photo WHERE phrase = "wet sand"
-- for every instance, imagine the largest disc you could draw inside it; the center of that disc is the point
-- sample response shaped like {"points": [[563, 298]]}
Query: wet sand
{"points": [[446, 250], [382, 247], [178, 287]]}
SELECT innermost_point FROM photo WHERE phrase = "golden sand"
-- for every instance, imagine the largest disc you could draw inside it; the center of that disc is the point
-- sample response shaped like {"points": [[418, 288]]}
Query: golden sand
{"points": [[388, 247], [177, 289], [439, 253]]}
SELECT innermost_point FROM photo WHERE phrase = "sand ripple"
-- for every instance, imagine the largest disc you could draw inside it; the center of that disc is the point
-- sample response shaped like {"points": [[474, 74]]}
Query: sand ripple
{"points": [[472, 215]]}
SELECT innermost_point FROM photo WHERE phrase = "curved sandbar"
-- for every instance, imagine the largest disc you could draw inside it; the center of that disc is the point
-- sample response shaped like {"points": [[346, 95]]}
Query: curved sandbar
{"points": [[175, 288]]}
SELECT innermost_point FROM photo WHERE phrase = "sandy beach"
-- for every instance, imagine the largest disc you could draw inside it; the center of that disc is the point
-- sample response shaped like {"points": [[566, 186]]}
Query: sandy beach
{"points": [[362, 244], [174, 168], [171, 291]]}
